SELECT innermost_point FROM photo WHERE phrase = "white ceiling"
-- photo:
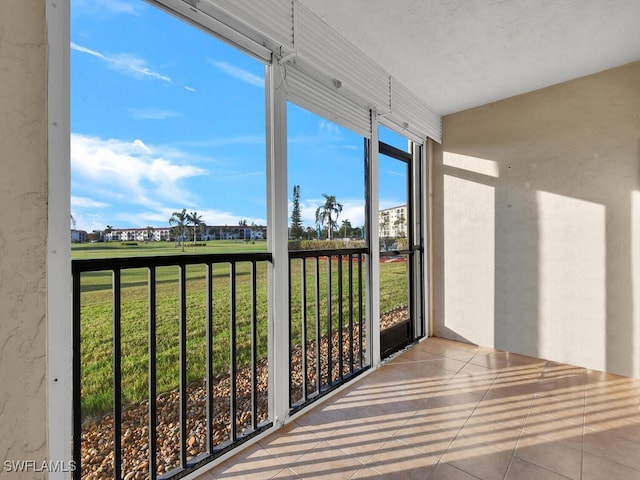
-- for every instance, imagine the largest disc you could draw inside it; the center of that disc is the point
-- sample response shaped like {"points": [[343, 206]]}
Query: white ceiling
{"points": [[458, 54]]}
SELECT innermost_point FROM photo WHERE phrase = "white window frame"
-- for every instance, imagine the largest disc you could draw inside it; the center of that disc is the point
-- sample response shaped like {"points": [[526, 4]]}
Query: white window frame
{"points": [[59, 336], [59, 291]]}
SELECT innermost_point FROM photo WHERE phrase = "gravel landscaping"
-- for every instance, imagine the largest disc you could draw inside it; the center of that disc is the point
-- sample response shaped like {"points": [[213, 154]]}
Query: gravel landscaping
{"points": [[97, 437]]}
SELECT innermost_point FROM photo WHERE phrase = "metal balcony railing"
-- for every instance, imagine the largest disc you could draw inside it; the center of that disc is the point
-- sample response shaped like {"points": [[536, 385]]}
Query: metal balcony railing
{"points": [[169, 434], [327, 341], [170, 353]]}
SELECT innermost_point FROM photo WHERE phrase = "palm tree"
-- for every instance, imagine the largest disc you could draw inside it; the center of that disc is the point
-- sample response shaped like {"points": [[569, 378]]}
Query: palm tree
{"points": [[195, 220], [345, 229], [326, 212], [179, 219], [108, 230]]}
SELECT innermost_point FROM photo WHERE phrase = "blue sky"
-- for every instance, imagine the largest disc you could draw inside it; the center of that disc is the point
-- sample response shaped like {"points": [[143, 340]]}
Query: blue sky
{"points": [[165, 117]]}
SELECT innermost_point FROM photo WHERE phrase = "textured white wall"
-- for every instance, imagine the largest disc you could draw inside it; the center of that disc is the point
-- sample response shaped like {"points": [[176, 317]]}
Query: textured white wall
{"points": [[23, 232], [537, 223]]}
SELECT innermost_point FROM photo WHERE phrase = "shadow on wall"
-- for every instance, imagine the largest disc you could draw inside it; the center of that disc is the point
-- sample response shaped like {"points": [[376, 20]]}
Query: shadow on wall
{"points": [[535, 200]]}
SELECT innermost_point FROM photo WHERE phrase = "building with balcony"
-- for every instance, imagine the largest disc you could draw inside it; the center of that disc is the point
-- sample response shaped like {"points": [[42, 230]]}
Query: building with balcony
{"points": [[78, 236], [393, 221], [524, 305]]}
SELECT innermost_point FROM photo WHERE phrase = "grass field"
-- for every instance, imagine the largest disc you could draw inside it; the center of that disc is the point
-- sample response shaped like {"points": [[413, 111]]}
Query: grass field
{"points": [[96, 314]]}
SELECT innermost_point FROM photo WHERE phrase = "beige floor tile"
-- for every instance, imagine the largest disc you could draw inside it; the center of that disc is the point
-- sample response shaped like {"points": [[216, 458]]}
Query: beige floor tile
{"points": [[255, 463], [482, 461], [557, 457], [449, 349], [479, 371], [557, 431], [287, 474], [326, 462], [491, 361], [621, 445], [605, 412], [445, 363], [368, 474], [548, 408], [444, 410], [290, 442], [415, 354], [521, 470], [361, 441], [444, 471], [512, 413], [426, 436], [396, 460], [498, 435], [322, 421], [596, 468], [444, 414]]}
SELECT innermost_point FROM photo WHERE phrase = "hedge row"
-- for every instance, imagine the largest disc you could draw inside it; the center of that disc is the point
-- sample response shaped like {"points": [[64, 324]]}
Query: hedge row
{"points": [[324, 244]]}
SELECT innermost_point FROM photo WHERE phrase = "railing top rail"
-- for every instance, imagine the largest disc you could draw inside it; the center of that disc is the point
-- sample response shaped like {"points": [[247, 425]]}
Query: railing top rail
{"points": [[395, 253], [327, 252], [101, 264]]}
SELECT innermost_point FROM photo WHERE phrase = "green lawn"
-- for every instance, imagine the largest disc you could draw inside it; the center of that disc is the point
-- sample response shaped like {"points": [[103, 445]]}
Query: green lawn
{"points": [[96, 347], [117, 249]]}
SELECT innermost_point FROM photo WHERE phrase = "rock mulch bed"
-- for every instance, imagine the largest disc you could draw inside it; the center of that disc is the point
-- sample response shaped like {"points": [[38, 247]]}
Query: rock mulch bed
{"points": [[97, 436]]}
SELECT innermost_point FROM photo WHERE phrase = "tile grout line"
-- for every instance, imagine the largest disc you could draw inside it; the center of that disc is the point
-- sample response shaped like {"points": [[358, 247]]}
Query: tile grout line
{"points": [[470, 415], [584, 424], [513, 452]]}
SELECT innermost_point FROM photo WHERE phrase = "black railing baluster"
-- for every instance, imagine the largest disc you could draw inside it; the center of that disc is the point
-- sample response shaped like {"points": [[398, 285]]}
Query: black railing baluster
{"points": [[303, 286], [350, 313], [340, 335], [209, 355], [360, 312], [254, 348], [232, 353], [183, 363], [327, 360], [77, 375], [117, 375], [116, 266], [317, 332], [329, 321], [153, 440], [291, 389]]}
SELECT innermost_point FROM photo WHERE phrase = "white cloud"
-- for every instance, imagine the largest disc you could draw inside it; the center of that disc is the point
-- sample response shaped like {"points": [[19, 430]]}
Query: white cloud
{"points": [[125, 63], [329, 134], [128, 170], [228, 140], [160, 217], [152, 114], [239, 73], [189, 89], [217, 217], [85, 202], [329, 129], [92, 7], [139, 144]]}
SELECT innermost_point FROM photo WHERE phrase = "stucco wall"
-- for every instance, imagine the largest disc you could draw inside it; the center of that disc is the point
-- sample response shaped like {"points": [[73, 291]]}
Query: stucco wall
{"points": [[23, 232], [537, 223]]}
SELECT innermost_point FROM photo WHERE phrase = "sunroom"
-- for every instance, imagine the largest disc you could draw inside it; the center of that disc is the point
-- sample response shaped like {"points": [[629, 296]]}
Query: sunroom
{"points": [[504, 342]]}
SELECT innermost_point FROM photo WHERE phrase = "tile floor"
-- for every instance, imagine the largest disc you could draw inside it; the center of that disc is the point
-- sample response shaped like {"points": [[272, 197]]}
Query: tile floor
{"points": [[448, 410]]}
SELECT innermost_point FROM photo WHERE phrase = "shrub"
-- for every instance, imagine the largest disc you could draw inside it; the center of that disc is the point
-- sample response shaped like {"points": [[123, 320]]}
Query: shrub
{"points": [[324, 244]]}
